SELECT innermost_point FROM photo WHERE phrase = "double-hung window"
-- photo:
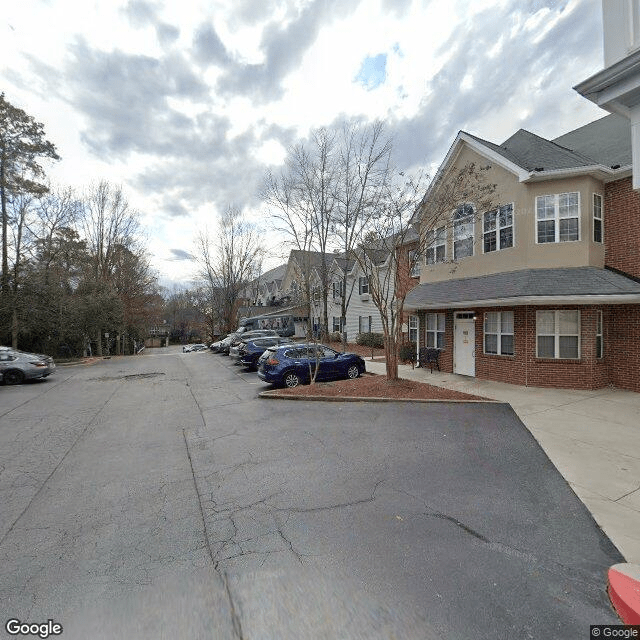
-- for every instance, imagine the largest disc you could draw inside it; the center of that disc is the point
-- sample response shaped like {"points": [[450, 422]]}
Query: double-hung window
{"points": [[363, 285], [435, 330], [337, 324], [598, 221], [414, 264], [364, 324], [498, 229], [498, 333], [338, 289], [436, 246], [557, 217], [558, 334], [599, 336], [463, 231], [413, 329]]}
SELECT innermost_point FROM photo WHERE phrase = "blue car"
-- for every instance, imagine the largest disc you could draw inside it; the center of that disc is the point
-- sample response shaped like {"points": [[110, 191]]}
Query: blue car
{"points": [[292, 364], [249, 352]]}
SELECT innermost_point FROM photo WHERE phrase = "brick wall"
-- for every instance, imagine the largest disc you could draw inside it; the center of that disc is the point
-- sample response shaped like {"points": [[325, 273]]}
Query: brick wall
{"points": [[622, 227], [620, 365], [622, 346]]}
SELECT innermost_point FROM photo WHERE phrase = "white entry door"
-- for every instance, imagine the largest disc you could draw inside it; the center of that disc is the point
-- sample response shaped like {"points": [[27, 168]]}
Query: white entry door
{"points": [[464, 345]]}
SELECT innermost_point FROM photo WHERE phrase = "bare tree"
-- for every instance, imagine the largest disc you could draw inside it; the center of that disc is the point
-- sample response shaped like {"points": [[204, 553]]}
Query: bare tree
{"points": [[227, 264], [302, 200], [363, 159], [406, 217], [293, 218], [109, 226]]}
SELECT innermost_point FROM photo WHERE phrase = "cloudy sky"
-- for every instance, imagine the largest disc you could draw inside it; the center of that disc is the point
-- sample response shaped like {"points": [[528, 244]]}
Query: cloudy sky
{"points": [[187, 103]]}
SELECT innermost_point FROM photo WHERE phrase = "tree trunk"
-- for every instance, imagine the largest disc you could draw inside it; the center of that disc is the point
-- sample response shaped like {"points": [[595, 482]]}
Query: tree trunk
{"points": [[14, 327], [99, 344], [4, 287], [391, 358]]}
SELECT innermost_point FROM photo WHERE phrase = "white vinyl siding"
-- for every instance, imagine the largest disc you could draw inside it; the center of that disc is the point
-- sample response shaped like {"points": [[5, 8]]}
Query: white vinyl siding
{"points": [[558, 218], [558, 334], [498, 333]]}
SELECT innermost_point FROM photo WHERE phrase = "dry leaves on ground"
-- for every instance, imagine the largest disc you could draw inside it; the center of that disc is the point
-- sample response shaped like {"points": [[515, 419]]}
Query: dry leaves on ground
{"points": [[375, 386]]}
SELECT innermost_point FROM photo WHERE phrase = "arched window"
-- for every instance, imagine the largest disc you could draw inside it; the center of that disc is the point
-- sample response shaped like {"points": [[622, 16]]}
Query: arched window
{"points": [[463, 231]]}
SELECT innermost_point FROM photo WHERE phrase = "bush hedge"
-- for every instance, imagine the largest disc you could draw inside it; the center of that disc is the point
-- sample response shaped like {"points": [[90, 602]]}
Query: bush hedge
{"points": [[371, 340], [407, 351]]}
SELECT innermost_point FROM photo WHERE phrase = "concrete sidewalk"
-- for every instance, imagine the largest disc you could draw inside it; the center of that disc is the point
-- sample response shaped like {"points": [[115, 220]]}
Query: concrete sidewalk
{"points": [[592, 437]]}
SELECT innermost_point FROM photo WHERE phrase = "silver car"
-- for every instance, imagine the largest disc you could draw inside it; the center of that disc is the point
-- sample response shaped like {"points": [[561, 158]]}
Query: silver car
{"points": [[18, 366]]}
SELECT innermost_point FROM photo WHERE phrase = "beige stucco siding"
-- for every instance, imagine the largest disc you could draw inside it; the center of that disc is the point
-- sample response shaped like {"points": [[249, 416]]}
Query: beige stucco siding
{"points": [[525, 253]]}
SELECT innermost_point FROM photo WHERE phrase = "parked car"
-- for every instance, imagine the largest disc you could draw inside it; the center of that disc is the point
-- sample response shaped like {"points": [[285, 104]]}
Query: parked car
{"points": [[225, 343], [198, 347], [249, 352], [18, 366], [215, 346], [242, 339], [292, 364], [237, 339]]}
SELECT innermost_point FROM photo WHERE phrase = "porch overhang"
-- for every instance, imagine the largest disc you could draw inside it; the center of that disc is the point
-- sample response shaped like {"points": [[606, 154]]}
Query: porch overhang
{"points": [[570, 286]]}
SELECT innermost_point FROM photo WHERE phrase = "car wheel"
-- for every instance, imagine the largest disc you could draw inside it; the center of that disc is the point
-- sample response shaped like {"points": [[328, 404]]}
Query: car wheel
{"points": [[13, 377], [291, 379], [353, 372]]}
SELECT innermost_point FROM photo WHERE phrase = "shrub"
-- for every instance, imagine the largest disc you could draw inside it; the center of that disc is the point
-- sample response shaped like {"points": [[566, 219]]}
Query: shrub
{"points": [[407, 352], [336, 336], [372, 340]]}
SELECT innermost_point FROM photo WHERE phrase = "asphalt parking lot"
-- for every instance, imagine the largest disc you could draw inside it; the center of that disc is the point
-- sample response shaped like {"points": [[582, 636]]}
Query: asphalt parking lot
{"points": [[158, 497]]}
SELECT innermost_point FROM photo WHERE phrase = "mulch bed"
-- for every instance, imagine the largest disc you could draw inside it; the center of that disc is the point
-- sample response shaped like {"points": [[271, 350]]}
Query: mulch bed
{"points": [[374, 386]]}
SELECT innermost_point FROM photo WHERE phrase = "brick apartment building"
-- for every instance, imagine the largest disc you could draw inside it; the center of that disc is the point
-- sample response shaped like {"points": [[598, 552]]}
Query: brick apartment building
{"points": [[543, 290]]}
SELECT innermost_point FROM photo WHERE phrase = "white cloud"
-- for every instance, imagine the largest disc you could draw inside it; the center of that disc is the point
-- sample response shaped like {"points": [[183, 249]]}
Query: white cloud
{"points": [[127, 91]]}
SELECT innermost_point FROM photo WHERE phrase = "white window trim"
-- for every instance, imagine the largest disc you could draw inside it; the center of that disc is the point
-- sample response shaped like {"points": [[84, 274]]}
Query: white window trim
{"points": [[600, 321], [556, 345], [435, 331], [339, 285], [416, 321], [498, 227], [369, 321], [473, 231], [360, 279], [499, 334], [434, 246], [557, 218], [340, 324], [415, 258], [601, 218]]}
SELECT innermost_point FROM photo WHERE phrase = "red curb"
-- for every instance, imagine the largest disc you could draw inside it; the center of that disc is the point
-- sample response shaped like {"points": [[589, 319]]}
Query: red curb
{"points": [[624, 591]]}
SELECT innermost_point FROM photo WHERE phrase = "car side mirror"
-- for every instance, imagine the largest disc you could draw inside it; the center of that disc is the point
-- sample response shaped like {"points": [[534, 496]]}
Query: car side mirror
{"points": [[336, 356]]}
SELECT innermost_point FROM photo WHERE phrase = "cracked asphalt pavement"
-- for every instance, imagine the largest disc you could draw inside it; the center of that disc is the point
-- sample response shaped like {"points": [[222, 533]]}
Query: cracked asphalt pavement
{"points": [[158, 497]]}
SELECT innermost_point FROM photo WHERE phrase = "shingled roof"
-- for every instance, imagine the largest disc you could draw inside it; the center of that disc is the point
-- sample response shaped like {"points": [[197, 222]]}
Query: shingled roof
{"points": [[527, 286], [605, 142]]}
